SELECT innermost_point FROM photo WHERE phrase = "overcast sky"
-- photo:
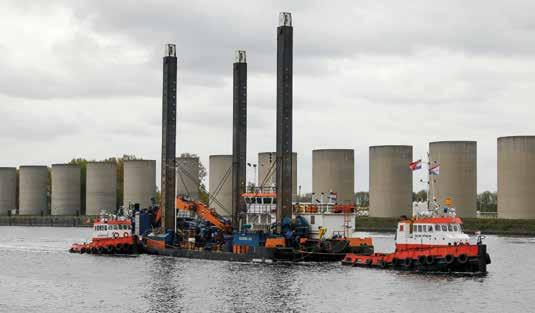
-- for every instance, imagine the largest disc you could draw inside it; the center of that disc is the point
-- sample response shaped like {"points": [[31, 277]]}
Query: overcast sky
{"points": [[83, 78]]}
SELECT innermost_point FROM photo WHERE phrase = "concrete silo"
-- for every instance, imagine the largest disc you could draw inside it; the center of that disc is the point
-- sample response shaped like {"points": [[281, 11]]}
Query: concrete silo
{"points": [[458, 174], [390, 181], [139, 182], [516, 177], [66, 187], [33, 190], [334, 170], [8, 189], [220, 183], [267, 170], [101, 187], [187, 176]]}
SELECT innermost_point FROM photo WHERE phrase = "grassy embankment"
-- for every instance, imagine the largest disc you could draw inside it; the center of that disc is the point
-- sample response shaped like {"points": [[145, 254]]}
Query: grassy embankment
{"points": [[486, 226]]}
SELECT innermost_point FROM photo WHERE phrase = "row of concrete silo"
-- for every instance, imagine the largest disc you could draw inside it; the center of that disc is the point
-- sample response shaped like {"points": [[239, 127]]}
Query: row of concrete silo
{"points": [[390, 178], [65, 189]]}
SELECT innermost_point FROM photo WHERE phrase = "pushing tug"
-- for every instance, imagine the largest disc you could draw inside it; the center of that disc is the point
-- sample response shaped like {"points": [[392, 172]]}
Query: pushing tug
{"points": [[111, 235], [431, 241]]}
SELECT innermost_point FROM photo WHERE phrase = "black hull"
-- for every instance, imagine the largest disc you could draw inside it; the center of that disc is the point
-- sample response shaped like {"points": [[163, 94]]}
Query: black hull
{"points": [[261, 255]]}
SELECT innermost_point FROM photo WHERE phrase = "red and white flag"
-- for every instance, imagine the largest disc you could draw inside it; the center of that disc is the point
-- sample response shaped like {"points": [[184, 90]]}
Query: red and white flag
{"points": [[435, 170], [416, 165]]}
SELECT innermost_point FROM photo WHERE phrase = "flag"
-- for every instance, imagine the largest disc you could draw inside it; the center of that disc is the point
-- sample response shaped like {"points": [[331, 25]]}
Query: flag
{"points": [[416, 165], [435, 170]]}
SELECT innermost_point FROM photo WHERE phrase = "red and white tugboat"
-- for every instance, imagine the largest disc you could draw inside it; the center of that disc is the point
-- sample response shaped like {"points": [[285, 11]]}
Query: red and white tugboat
{"points": [[111, 235], [432, 241]]}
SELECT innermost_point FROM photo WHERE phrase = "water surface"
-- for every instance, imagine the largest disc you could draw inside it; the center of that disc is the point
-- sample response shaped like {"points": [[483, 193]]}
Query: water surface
{"points": [[37, 274]]}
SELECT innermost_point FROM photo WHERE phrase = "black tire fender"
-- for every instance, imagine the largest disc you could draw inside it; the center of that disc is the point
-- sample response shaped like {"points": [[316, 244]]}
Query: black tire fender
{"points": [[449, 259], [462, 258]]}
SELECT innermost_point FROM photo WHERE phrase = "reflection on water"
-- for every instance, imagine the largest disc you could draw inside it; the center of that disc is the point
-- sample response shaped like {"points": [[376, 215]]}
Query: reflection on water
{"points": [[37, 274]]}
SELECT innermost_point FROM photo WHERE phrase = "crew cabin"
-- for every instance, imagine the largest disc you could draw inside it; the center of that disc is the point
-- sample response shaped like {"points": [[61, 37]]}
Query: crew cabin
{"points": [[105, 229], [446, 231]]}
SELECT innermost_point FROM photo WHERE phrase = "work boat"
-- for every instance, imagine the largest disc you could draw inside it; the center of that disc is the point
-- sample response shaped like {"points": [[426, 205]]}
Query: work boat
{"points": [[111, 235], [432, 241], [202, 233]]}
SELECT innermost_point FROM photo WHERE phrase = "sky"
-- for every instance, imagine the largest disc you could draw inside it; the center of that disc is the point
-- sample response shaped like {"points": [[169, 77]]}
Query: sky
{"points": [[84, 78]]}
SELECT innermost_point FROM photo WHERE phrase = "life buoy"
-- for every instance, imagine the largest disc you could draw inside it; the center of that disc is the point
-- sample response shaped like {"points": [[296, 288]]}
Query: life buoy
{"points": [[115, 235], [126, 234], [449, 259], [462, 258], [429, 260]]}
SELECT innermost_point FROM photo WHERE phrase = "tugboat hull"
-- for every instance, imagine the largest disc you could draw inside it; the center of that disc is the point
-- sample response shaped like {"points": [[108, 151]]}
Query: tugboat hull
{"points": [[423, 260]]}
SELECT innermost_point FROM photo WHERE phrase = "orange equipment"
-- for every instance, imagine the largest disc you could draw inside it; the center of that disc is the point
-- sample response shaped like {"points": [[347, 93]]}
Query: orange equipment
{"points": [[203, 212]]}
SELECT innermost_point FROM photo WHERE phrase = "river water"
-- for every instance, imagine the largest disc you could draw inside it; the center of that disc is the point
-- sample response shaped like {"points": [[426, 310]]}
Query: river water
{"points": [[37, 274]]}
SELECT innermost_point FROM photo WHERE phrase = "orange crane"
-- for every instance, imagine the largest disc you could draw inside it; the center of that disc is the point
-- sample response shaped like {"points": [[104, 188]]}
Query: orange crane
{"points": [[204, 212]]}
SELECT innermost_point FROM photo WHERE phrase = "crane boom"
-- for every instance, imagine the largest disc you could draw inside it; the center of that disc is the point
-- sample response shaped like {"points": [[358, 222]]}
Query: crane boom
{"points": [[204, 212]]}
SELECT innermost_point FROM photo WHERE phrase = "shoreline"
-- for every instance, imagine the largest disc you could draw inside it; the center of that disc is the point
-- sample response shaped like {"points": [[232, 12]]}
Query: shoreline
{"points": [[487, 226], [501, 227]]}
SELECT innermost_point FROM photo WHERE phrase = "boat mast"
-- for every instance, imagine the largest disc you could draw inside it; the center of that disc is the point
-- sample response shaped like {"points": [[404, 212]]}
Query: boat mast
{"points": [[284, 117], [239, 136], [169, 138]]}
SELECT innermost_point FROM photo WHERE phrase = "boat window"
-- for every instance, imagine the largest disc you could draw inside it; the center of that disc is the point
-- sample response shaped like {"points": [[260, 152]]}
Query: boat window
{"points": [[414, 228], [424, 228], [248, 200], [444, 227], [121, 227], [253, 200], [450, 228], [430, 228], [419, 228], [437, 227], [274, 200], [455, 228], [259, 200], [312, 219], [267, 200]]}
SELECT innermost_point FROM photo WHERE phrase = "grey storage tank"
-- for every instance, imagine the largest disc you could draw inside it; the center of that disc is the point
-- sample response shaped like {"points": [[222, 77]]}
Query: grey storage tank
{"points": [[516, 177], [390, 181], [220, 183], [66, 187], [458, 175], [8, 190], [267, 170], [334, 170], [187, 176], [33, 190], [139, 182], [101, 187]]}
